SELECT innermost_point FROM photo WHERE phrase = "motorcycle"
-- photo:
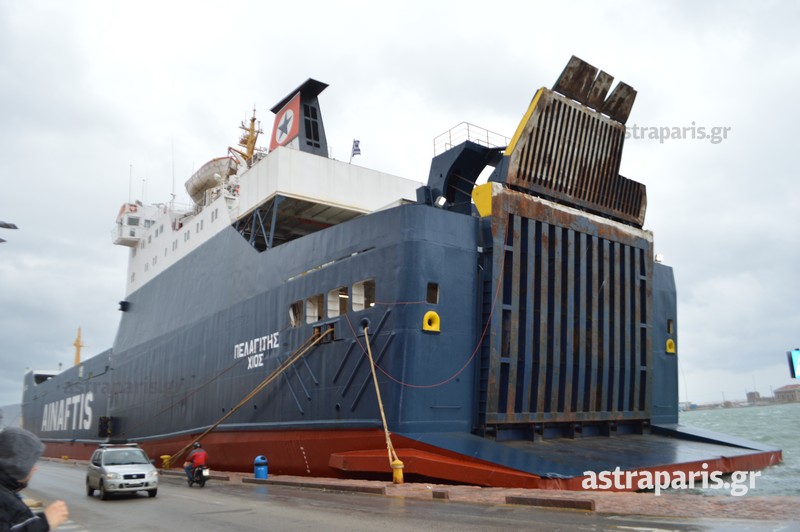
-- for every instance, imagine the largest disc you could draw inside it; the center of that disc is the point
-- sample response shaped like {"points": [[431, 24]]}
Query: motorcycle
{"points": [[200, 475]]}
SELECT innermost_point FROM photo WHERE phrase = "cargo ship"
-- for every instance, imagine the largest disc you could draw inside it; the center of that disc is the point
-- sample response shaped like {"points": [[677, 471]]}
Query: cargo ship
{"points": [[503, 324]]}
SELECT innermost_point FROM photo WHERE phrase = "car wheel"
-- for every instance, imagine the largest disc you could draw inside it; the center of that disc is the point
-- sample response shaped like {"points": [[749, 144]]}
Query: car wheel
{"points": [[89, 488], [152, 493], [103, 492]]}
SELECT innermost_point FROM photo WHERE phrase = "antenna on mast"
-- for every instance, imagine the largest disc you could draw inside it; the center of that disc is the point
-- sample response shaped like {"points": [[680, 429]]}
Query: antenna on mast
{"points": [[78, 344]]}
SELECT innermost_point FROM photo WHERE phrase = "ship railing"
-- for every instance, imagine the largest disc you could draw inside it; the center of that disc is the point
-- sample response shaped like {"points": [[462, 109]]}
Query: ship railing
{"points": [[464, 132], [178, 208]]}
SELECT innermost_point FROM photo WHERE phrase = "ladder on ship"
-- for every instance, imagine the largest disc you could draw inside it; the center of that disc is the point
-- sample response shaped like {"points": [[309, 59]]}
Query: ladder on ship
{"points": [[486, 298]]}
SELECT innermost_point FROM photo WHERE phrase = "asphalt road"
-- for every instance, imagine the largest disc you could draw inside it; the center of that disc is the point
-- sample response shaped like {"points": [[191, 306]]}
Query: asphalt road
{"points": [[232, 507]]}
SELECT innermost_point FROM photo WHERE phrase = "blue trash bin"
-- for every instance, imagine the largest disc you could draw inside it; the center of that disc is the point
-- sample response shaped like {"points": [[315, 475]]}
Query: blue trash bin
{"points": [[261, 467]]}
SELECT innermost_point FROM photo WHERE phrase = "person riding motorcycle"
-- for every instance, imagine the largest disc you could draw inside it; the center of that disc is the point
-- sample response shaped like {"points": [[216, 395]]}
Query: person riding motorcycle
{"points": [[197, 458]]}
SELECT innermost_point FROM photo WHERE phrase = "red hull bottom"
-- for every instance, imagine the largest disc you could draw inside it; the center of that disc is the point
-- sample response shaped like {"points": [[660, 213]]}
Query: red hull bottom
{"points": [[362, 454]]}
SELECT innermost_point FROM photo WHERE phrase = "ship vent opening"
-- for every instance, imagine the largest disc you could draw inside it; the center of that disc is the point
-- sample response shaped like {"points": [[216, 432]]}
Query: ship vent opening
{"points": [[39, 378], [331, 305], [363, 295], [432, 295], [314, 308], [296, 313], [337, 302], [311, 117]]}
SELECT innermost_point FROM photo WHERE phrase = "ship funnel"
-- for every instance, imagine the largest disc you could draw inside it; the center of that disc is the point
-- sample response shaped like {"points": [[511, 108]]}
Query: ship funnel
{"points": [[298, 120]]}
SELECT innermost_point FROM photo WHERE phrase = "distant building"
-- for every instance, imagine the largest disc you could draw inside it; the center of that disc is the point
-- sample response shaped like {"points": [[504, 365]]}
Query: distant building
{"points": [[753, 397], [788, 394]]}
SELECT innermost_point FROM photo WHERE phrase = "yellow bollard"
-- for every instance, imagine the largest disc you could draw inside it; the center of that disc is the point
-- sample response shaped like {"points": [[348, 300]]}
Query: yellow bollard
{"points": [[397, 472], [165, 461]]}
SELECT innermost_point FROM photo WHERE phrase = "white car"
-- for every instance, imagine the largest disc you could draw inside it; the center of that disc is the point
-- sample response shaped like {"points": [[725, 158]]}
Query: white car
{"points": [[121, 469]]}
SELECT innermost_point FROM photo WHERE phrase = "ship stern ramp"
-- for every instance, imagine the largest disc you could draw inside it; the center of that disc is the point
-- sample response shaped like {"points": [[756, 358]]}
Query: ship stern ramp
{"points": [[458, 457]]}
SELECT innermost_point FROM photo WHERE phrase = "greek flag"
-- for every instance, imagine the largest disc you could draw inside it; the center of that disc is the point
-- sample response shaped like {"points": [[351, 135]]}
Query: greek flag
{"points": [[356, 148]]}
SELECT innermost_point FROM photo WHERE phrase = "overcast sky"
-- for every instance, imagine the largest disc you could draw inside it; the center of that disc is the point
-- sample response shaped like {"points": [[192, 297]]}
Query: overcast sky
{"points": [[91, 90]]}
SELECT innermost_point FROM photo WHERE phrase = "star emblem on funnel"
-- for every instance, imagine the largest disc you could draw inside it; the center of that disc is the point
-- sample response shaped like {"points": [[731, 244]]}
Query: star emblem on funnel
{"points": [[285, 126]]}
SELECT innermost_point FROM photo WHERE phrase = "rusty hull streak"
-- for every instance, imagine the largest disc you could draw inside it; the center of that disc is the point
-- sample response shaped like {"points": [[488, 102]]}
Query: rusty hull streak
{"points": [[562, 216]]}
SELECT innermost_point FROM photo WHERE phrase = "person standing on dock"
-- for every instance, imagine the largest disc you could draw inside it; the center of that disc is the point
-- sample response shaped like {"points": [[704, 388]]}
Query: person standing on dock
{"points": [[19, 451]]}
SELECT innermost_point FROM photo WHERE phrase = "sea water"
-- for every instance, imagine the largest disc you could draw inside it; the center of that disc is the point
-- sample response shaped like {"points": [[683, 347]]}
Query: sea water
{"points": [[775, 425]]}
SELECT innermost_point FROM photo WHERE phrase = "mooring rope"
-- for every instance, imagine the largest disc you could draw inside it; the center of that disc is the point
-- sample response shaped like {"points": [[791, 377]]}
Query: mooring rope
{"points": [[294, 357], [191, 392], [394, 462]]}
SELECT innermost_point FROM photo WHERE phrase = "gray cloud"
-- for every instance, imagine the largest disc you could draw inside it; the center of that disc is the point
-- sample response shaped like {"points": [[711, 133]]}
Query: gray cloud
{"points": [[94, 94]]}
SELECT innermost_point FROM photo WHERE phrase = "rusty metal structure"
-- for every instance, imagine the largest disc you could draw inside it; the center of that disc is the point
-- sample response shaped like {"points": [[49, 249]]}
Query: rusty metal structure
{"points": [[570, 339], [570, 147], [570, 344]]}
